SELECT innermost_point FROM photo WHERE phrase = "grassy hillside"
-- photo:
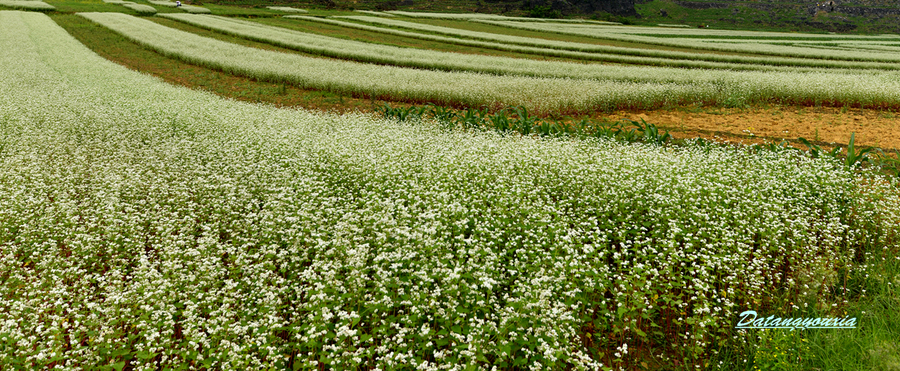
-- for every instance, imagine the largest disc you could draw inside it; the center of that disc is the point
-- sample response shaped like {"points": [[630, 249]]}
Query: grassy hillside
{"points": [[847, 17], [859, 17]]}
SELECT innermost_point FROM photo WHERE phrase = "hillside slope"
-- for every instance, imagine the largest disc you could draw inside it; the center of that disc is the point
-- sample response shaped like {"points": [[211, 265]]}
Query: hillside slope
{"points": [[859, 16]]}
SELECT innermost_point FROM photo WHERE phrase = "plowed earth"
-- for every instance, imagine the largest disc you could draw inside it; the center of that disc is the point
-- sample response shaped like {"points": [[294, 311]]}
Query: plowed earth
{"points": [[824, 125]]}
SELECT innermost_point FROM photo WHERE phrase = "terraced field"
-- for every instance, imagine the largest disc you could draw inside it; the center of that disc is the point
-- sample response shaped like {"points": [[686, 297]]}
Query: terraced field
{"points": [[480, 207], [644, 68]]}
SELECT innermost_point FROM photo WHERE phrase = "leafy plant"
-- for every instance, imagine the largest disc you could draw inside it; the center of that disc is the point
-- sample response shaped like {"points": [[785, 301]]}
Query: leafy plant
{"points": [[544, 11], [888, 163], [780, 350], [815, 151], [855, 157], [651, 134]]}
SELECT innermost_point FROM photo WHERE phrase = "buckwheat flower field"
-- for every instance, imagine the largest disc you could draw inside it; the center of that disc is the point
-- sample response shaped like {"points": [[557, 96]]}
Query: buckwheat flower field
{"points": [[28, 5], [460, 88], [140, 8], [562, 87], [616, 86], [583, 51], [374, 53], [151, 227], [774, 45]]}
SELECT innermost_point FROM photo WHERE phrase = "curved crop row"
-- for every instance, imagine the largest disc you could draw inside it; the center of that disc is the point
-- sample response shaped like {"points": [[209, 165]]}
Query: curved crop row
{"points": [[468, 16], [139, 8], [459, 88], [580, 51], [712, 44], [734, 35], [652, 86], [423, 58], [28, 5], [654, 57]]}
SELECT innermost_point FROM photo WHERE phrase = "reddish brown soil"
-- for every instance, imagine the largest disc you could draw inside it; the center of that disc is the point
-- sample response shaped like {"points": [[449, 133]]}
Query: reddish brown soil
{"points": [[767, 124]]}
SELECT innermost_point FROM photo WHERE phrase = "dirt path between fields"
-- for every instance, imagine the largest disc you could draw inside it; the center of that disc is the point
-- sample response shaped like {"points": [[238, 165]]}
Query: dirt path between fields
{"points": [[754, 125]]}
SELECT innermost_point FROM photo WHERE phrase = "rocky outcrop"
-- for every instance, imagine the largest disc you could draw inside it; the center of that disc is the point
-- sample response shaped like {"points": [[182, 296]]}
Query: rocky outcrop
{"points": [[867, 12]]}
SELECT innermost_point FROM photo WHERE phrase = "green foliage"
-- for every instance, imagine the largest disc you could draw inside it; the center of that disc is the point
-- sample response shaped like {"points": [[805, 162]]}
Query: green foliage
{"points": [[887, 163], [411, 113], [855, 157], [544, 11], [735, 100], [781, 350], [777, 16], [651, 133], [815, 151], [518, 120]]}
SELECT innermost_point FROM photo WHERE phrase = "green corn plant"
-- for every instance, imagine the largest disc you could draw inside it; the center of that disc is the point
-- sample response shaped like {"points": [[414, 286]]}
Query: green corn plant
{"points": [[652, 135], [442, 114], [522, 112], [542, 128], [855, 157], [522, 128], [649, 133], [419, 112], [407, 114], [812, 149], [610, 131], [581, 127], [472, 119], [816, 151], [501, 122], [887, 163], [403, 114], [525, 124], [388, 112], [629, 135], [571, 130], [557, 129], [381, 110]]}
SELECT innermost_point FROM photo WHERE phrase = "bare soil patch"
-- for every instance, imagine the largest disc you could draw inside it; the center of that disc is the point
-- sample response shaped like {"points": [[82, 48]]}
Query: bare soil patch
{"points": [[766, 124]]}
